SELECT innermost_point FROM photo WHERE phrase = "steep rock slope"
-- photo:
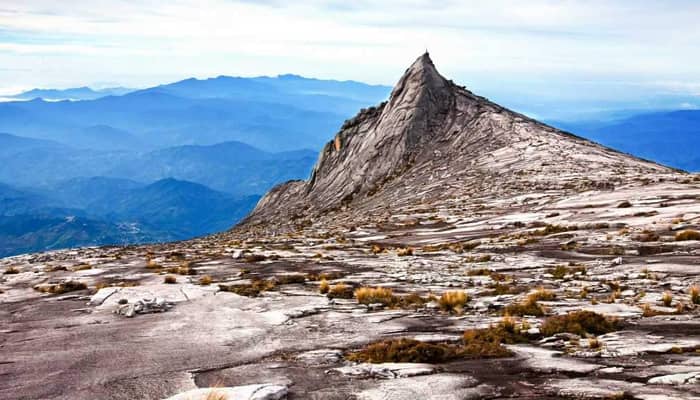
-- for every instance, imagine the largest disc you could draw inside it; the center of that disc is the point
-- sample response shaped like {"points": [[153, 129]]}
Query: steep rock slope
{"points": [[436, 140]]}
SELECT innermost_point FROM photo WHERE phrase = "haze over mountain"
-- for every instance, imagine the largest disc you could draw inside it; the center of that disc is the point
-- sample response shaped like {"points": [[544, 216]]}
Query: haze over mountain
{"points": [[81, 93], [672, 138], [97, 211], [276, 114], [162, 163]]}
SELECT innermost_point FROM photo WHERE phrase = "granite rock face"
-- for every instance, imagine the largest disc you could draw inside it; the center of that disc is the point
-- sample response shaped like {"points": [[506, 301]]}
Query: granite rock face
{"points": [[434, 131]]}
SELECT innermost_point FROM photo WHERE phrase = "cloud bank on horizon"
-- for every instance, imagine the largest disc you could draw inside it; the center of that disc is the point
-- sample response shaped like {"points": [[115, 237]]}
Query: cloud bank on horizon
{"points": [[538, 56]]}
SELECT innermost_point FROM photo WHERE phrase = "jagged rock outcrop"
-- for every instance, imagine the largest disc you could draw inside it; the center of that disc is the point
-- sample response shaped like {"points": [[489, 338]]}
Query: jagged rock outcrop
{"points": [[434, 139]]}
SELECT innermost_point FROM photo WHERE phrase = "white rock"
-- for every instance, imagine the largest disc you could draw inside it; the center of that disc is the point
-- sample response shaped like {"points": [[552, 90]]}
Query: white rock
{"points": [[249, 392], [102, 295], [676, 379], [387, 370]]}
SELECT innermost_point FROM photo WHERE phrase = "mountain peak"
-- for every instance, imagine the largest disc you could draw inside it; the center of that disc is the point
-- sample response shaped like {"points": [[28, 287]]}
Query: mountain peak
{"points": [[434, 140], [421, 78]]}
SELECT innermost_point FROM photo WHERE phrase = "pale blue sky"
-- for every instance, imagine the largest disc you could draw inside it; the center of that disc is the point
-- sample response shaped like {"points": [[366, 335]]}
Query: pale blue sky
{"points": [[535, 55]]}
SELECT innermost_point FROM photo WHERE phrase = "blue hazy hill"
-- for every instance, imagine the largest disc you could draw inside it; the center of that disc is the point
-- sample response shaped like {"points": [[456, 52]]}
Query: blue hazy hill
{"points": [[671, 138]]}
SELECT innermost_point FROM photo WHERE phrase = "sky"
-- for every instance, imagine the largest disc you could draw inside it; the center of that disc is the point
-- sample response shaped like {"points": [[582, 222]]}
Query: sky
{"points": [[546, 58]]}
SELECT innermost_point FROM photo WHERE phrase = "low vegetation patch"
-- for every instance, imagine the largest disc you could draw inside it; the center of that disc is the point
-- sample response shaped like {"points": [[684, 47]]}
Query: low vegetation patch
{"points": [[478, 259], [561, 271], [413, 301], [475, 344], [647, 236], [529, 306], [82, 267], [170, 279], [498, 289], [11, 270], [340, 291], [579, 323], [541, 294], [253, 258], [205, 280], [479, 272], [406, 351], [687, 234], [182, 269], [319, 276], [252, 289], [552, 229], [376, 249], [405, 251], [507, 331], [59, 288], [287, 279]]}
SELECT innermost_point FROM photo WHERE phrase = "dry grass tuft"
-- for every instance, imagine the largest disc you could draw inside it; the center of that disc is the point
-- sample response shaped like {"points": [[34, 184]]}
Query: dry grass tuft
{"points": [[453, 301], [667, 299], [377, 295], [169, 279], [594, 343], [205, 280], [216, 395], [82, 267], [340, 291], [152, 264], [324, 286], [405, 251], [541, 294], [11, 270], [687, 234], [695, 294]]}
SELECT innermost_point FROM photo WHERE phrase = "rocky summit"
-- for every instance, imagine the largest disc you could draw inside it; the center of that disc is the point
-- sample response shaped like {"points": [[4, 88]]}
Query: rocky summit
{"points": [[444, 247]]}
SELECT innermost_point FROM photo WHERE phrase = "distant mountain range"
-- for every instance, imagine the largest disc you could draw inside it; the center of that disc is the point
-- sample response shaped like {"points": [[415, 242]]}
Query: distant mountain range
{"points": [[81, 93], [193, 157], [164, 163], [233, 167], [275, 114], [671, 138], [96, 211]]}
